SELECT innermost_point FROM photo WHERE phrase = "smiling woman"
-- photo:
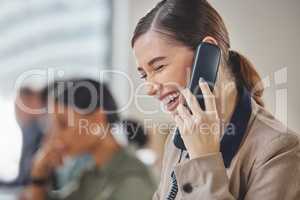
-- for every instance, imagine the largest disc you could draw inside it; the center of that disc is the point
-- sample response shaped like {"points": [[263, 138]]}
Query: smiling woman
{"points": [[252, 151], [160, 64]]}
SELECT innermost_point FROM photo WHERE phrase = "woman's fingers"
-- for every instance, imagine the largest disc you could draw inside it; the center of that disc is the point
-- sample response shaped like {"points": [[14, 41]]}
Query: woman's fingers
{"points": [[179, 122], [183, 112], [182, 117], [192, 102], [208, 96]]}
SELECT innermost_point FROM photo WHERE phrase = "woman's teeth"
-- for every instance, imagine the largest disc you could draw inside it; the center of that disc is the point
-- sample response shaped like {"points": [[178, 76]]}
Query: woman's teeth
{"points": [[170, 98]]}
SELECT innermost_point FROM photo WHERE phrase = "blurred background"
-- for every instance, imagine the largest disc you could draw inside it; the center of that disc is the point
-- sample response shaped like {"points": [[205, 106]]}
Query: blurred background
{"points": [[44, 40]]}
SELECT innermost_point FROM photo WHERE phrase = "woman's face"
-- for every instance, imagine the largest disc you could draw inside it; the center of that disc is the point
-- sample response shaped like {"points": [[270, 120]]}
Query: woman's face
{"points": [[77, 133], [165, 65]]}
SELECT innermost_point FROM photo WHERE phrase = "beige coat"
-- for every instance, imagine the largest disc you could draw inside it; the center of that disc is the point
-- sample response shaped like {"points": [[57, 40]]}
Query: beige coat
{"points": [[266, 166]]}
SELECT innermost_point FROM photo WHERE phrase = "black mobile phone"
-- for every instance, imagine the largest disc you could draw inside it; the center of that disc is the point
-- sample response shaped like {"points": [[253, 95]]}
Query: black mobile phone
{"points": [[206, 65]]}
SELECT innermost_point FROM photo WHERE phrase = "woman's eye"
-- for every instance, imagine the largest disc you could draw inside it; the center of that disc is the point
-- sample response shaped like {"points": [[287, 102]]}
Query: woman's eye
{"points": [[143, 76], [156, 69], [160, 67]]}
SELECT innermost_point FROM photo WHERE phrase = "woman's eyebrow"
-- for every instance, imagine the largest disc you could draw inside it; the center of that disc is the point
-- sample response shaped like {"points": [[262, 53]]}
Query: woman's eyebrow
{"points": [[151, 62]]}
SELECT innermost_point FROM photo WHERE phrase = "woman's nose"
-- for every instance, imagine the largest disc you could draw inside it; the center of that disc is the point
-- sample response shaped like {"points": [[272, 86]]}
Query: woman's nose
{"points": [[153, 88]]}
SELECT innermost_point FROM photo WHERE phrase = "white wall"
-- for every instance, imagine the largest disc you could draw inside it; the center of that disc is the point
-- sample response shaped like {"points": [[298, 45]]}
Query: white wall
{"points": [[267, 32]]}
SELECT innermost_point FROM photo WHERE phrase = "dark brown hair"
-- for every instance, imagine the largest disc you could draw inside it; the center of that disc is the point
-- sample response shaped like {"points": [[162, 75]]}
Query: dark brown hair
{"points": [[189, 22]]}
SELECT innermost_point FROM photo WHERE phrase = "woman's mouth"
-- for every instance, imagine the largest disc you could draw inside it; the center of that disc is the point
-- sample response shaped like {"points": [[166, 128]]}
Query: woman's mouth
{"points": [[171, 101]]}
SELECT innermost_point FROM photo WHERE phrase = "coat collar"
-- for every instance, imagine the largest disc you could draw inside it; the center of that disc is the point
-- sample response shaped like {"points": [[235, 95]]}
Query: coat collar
{"points": [[236, 129]]}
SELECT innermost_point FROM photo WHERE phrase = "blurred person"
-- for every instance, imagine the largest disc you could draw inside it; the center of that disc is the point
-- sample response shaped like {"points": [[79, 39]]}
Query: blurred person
{"points": [[235, 148], [29, 106], [84, 112], [128, 133]]}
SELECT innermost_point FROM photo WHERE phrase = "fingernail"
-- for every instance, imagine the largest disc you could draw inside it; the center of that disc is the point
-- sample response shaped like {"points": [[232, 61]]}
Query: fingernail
{"points": [[201, 80]]}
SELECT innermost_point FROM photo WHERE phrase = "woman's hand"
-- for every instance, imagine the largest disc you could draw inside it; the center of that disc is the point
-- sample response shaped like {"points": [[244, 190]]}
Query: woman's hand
{"points": [[200, 129]]}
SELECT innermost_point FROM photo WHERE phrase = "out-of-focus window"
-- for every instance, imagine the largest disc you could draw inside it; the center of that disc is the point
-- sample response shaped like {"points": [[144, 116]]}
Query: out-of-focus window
{"points": [[10, 141], [49, 39]]}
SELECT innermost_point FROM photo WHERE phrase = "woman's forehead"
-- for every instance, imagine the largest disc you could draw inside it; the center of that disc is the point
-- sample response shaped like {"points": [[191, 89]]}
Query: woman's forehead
{"points": [[151, 45]]}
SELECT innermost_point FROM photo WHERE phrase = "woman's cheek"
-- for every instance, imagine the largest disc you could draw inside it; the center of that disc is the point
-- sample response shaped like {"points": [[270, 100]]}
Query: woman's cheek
{"points": [[169, 76], [180, 78]]}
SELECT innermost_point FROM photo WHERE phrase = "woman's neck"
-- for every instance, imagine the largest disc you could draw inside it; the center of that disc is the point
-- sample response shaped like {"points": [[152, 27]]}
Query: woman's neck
{"points": [[226, 102]]}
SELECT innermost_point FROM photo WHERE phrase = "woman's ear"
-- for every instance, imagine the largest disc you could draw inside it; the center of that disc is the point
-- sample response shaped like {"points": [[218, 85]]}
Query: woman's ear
{"points": [[210, 39]]}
